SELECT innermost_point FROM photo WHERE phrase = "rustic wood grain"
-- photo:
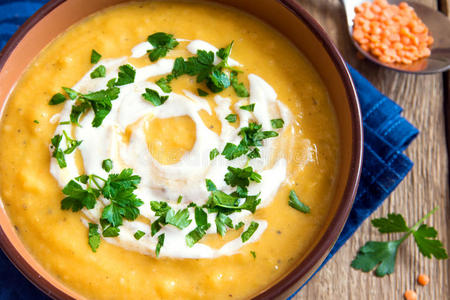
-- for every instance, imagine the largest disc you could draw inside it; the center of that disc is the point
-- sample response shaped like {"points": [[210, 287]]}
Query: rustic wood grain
{"points": [[426, 186]]}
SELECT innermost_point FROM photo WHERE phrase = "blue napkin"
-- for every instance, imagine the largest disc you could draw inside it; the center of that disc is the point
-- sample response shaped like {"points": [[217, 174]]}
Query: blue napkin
{"points": [[386, 135]]}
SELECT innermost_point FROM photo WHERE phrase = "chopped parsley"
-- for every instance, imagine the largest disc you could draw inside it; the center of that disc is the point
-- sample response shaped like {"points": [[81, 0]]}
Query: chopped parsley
{"points": [[253, 253], [250, 107], [297, 204], [201, 219], [277, 123], [93, 237], [57, 99], [107, 165], [58, 153], [241, 177], [238, 87], [210, 186], [99, 72], [99, 101], [252, 136], [239, 225], [162, 43], [95, 56], [160, 243], [78, 197], [382, 255], [202, 66], [138, 234], [231, 118], [167, 215], [179, 199], [153, 97], [246, 235], [222, 222], [36, 121], [202, 93], [213, 153], [126, 75]]}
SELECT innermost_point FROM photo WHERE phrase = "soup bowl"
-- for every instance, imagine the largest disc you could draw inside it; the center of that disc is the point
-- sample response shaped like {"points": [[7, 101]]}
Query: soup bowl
{"points": [[286, 16]]}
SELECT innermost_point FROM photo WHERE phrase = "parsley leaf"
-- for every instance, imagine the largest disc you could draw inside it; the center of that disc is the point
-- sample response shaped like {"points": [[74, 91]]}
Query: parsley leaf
{"points": [[239, 225], [162, 43], [99, 72], [250, 107], [93, 237], [246, 235], [160, 243], [179, 199], [277, 123], [210, 186], [58, 153], [71, 93], [238, 87], [241, 177], [372, 254], [180, 219], [111, 231], [126, 75], [196, 235], [222, 221], [107, 165], [138, 234], [153, 97], [202, 93], [294, 202], [393, 223], [425, 237], [253, 253], [382, 255], [78, 197], [164, 84], [231, 151], [160, 208], [254, 154], [213, 153], [231, 118], [95, 56], [57, 99]]}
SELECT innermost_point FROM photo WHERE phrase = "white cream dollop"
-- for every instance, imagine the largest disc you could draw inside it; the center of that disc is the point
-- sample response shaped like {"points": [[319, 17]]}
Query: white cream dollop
{"points": [[186, 177]]}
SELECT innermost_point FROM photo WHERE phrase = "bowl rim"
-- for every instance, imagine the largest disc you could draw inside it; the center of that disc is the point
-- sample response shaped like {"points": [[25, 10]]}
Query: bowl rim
{"points": [[329, 237]]}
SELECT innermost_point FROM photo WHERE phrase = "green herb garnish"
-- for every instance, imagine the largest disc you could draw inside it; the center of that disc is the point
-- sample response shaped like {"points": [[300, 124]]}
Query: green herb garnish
{"points": [[107, 165], [162, 43], [382, 255], [231, 118], [126, 75], [201, 219], [95, 56], [138, 234], [36, 121], [213, 153], [99, 72], [153, 97], [179, 199], [93, 237], [160, 244], [241, 177], [239, 225], [246, 235], [57, 99], [250, 107], [296, 203], [253, 253], [277, 123], [222, 222], [58, 153], [238, 87], [202, 93]]}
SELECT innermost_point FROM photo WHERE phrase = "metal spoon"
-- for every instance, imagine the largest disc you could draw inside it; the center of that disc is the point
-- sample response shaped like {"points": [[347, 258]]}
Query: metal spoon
{"points": [[439, 26]]}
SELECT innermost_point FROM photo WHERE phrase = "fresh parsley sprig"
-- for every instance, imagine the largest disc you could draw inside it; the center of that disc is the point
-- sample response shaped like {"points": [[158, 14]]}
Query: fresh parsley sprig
{"points": [[162, 43], [58, 153], [382, 255]]}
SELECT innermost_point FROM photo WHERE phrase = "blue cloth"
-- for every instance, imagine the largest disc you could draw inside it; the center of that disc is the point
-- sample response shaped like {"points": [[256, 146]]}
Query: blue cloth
{"points": [[386, 135]]}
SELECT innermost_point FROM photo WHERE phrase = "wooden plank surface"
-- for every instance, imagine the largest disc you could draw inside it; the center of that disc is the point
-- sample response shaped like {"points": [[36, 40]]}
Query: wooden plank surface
{"points": [[426, 186]]}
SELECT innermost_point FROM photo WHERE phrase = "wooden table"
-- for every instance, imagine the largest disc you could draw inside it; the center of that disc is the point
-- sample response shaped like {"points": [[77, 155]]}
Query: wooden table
{"points": [[424, 98]]}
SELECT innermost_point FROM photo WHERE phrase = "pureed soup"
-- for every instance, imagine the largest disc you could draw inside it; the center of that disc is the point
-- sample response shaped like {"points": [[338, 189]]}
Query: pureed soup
{"points": [[169, 150]]}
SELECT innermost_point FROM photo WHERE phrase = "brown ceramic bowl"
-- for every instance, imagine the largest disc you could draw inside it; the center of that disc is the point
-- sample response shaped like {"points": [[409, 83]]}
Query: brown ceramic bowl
{"points": [[287, 17]]}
